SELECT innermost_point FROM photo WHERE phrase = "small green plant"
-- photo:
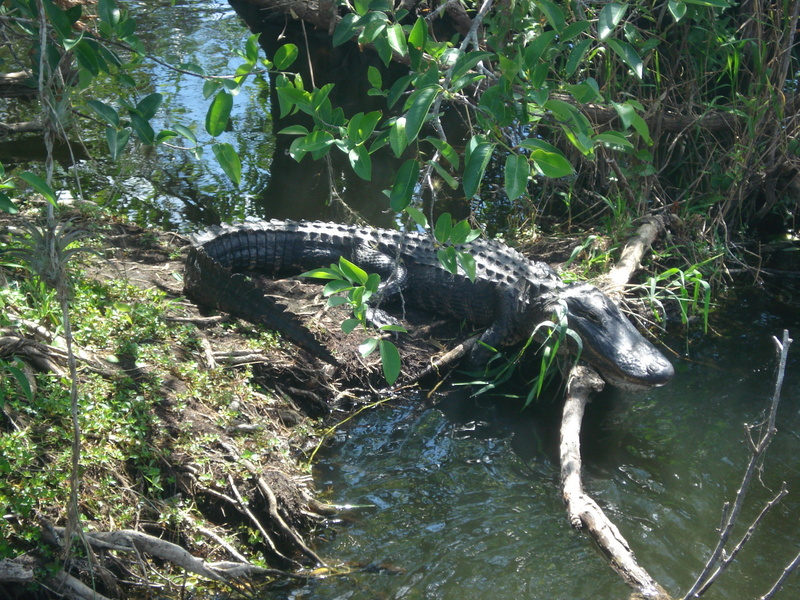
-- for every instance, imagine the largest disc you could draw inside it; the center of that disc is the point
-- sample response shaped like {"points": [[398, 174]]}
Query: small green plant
{"points": [[688, 288], [359, 287], [553, 334]]}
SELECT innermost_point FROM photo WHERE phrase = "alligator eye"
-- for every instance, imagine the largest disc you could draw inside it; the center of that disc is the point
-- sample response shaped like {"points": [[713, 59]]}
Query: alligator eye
{"points": [[589, 316]]}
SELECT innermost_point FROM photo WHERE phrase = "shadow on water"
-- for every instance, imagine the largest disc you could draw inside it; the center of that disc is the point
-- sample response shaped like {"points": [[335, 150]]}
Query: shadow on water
{"points": [[461, 500]]}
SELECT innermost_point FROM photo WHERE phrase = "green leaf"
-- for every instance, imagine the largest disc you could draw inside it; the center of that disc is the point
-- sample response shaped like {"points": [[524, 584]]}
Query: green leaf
{"points": [[398, 138], [294, 130], [553, 13], [576, 56], [336, 286], [228, 159], [418, 216], [360, 162], [448, 178], [443, 227], [210, 88], [6, 205], [420, 103], [322, 273], [461, 232], [677, 9], [143, 129], [149, 105], [348, 325], [353, 272], [447, 258], [218, 113], [374, 77], [58, 19], [446, 150], [104, 111], [713, 3], [345, 29], [397, 39], [475, 167], [117, 140], [251, 49], [552, 164], [366, 347], [40, 185], [390, 360], [516, 175], [108, 12], [418, 36], [628, 55], [185, 132], [609, 18], [614, 140], [285, 56], [405, 182], [467, 262], [467, 61]]}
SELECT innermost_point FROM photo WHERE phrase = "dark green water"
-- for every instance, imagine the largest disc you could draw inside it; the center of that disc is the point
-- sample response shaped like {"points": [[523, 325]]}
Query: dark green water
{"points": [[464, 496]]}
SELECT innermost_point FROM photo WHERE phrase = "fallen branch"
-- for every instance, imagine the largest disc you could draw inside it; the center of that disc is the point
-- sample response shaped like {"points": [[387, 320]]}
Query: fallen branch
{"points": [[584, 513], [128, 540]]}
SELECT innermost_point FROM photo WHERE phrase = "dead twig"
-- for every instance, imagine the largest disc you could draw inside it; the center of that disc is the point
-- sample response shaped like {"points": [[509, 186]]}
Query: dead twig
{"points": [[715, 566]]}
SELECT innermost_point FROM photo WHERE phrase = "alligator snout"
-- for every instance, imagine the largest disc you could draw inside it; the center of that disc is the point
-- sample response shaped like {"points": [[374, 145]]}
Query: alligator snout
{"points": [[611, 343]]}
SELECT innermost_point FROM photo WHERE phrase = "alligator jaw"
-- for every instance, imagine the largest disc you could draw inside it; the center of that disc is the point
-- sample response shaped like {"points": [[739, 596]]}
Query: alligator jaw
{"points": [[611, 343]]}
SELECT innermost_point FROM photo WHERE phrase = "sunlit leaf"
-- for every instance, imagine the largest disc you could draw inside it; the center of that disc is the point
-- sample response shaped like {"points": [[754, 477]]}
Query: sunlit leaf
{"points": [[552, 164], [185, 132], [677, 9], [475, 168], [108, 12], [353, 272], [447, 258], [516, 175], [628, 55], [553, 13], [398, 138], [360, 162], [467, 262], [390, 360], [443, 227], [228, 159], [218, 113], [609, 18], [285, 56], [405, 182], [613, 139], [420, 103], [397, 39], [149, 105], [366, 347], [40, 185], [418, 216]]}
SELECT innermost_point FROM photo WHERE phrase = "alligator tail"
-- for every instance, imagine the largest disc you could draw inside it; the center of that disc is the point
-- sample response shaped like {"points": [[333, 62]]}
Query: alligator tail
{"points": [[209, 283]]}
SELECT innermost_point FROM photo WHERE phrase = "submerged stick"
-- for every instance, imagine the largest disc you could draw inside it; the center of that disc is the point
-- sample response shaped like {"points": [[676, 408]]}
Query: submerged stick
{"points": [[584, 513]]}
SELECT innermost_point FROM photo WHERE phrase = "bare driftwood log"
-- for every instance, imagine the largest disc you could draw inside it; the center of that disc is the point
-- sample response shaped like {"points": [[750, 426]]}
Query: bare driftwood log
{"points": [[584, 513]]}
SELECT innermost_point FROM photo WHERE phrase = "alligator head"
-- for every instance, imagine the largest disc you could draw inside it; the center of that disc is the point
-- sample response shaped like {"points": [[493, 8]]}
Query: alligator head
{"points": [[610, 342]]}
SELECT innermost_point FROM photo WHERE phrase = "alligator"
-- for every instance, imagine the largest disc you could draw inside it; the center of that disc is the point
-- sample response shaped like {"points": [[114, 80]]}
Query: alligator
{"points": [[509, 296]]}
